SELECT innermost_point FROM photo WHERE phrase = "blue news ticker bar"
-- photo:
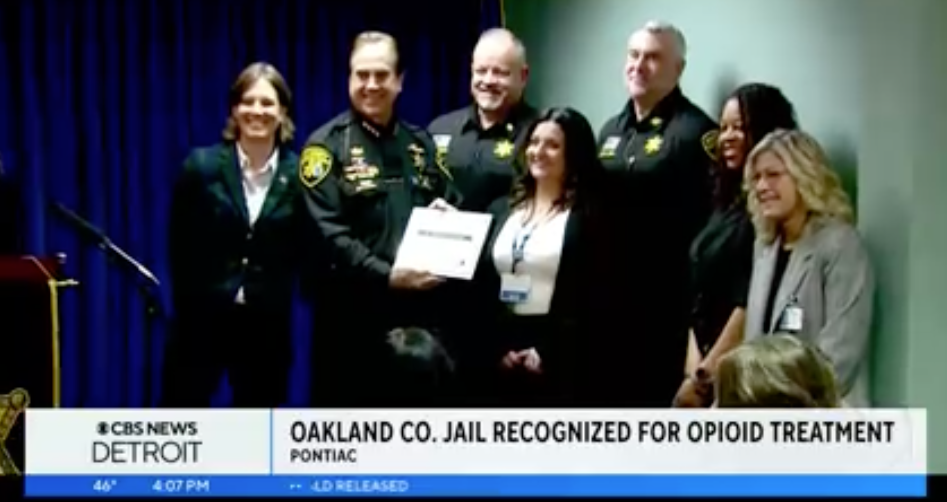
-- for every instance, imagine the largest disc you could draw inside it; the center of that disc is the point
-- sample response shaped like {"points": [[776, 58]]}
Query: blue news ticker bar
{"points": [[478, 485]]}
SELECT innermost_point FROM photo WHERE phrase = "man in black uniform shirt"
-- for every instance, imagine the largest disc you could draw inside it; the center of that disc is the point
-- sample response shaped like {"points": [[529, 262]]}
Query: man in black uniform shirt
{"points": [[659, 151], [477, 143], [363, 173]]}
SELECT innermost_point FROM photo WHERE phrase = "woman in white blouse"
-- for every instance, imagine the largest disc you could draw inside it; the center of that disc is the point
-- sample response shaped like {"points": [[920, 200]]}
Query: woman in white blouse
{"points": [[538, 260]]}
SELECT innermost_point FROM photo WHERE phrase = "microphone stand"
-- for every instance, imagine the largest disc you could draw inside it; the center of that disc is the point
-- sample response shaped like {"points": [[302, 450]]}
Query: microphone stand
{"points": [[146, 283]]}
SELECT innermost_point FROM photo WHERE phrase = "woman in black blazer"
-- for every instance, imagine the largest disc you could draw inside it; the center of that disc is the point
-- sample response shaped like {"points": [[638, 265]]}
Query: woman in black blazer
{"points": [[538, 271], [235, 242]]}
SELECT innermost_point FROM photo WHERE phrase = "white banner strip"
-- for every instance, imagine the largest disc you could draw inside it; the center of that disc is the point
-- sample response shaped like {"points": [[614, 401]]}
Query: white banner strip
{"points": [[343, 442]]}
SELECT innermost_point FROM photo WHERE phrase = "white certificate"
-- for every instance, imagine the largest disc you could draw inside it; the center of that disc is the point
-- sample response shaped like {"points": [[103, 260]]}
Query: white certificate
{"points": [[444, 243]]}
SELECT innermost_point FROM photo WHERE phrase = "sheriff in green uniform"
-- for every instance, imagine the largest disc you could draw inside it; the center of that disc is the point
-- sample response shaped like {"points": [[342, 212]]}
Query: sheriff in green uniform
{"points": [[659, 154], [478, 143], [363, 173]]}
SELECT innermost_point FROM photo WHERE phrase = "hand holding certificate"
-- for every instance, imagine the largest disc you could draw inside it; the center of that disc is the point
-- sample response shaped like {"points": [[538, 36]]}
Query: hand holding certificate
{"points": [[444, 243]]}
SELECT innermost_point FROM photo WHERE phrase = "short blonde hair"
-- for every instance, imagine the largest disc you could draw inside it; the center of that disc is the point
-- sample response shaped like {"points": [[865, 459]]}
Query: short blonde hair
{"points": [[378, 37], [249, 76], [778, 371], [819, 187]]}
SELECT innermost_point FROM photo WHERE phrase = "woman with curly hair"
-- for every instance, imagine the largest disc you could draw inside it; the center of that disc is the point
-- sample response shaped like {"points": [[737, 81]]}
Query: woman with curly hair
{"points": [[722, 253]]}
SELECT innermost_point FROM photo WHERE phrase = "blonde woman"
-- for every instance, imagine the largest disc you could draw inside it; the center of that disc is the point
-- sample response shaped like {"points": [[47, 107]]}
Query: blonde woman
{"points": [[780, 371], [811, 275]]}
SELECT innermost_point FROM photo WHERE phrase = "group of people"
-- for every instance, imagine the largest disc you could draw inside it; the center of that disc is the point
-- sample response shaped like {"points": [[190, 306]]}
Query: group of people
{"points": [[629, 267]]}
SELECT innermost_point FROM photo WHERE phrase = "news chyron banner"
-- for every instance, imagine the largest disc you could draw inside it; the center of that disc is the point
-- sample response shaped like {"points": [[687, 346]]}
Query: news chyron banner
{"points": [[476, 453]]}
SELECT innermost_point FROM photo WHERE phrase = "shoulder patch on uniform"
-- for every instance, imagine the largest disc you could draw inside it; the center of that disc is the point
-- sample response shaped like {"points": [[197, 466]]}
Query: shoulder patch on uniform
{"points": [[709, 142], [315, 163]]}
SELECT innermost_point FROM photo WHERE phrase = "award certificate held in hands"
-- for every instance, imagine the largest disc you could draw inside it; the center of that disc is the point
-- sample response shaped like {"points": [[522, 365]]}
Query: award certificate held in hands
{"points": [[444, 243]]}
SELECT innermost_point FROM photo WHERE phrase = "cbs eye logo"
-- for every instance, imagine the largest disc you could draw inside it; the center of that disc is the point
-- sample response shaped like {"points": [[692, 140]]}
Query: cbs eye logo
{"points": [[120, 428]]}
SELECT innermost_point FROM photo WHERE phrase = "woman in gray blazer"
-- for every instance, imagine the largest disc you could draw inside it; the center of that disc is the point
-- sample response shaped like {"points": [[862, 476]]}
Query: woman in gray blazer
{"points": [[811, 274]]}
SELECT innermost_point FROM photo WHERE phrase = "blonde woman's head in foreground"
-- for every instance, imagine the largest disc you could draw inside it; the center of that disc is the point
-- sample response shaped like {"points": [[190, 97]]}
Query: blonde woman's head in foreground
{"points": [[779, 371]]}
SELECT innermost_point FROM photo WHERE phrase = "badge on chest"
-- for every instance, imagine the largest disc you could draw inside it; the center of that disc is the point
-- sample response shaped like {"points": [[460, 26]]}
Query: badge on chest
{"points": [[791, 319], [361, 176], [503, 149], [515, 288]]}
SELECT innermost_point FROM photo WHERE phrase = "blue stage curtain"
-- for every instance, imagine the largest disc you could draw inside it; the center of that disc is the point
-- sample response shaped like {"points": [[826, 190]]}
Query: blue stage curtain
{"points": [[100, 100]]}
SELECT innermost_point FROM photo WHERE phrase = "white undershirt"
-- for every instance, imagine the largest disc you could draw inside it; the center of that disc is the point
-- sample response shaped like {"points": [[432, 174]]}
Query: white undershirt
{"points": [[541, 255], [256, 184]]}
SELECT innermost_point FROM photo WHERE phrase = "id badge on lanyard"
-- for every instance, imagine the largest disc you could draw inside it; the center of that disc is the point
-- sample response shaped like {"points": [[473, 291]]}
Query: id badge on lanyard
{"points": [[515, 288], [791, 318]]}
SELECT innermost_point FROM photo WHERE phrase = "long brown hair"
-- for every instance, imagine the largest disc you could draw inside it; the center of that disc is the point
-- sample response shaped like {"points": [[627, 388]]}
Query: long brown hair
{"points": [[583, 170]]}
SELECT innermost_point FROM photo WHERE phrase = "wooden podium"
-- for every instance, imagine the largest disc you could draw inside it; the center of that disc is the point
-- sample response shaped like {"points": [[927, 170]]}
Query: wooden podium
{"points": [[29, 342]]}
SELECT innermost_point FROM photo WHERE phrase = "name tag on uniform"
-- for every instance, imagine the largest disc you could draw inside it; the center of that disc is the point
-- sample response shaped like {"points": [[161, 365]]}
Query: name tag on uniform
{"points": [[609, 147], [514, 288], [791, 320]]}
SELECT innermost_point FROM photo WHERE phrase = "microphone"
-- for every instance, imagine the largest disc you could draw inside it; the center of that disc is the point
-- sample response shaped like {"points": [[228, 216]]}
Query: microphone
{"points": [[102, 241], [80, 223]]}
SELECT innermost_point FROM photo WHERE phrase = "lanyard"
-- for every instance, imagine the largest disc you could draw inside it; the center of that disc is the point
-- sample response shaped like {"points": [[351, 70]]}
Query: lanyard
{"points": [[519, 245], [522, 237]]}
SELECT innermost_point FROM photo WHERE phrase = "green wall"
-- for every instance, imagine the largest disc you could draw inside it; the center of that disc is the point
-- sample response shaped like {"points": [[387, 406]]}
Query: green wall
{"points": [[866, 78]]}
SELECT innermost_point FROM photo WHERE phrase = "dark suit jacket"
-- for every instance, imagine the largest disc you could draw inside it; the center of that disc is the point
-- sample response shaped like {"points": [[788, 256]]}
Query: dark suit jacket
{"points": [[642, 332], [213, 248], [611, 308]]}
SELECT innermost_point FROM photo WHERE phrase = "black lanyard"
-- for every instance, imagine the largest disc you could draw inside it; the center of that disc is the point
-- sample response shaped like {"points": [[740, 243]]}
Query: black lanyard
{"points": [[519, 245]]}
